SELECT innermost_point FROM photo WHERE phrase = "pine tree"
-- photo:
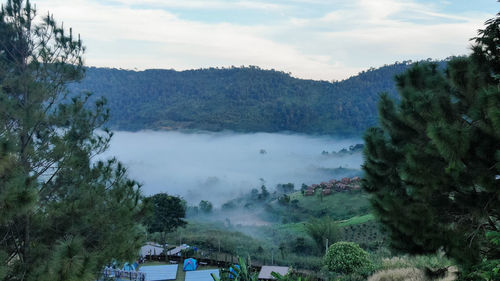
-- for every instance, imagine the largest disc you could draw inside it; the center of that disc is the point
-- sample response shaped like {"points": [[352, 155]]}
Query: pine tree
{"points": [[63, 214], [433, 165]]}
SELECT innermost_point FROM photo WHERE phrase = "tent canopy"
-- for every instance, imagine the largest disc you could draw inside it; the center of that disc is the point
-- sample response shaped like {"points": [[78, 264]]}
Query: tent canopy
{"points": [[190, 264], [129, 267], [231, 270]]}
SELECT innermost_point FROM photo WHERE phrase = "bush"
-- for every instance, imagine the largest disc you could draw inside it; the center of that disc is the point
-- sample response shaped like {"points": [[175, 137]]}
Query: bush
{"points": [[486, 270], [321, 229], [347, 258], [400, 274], [420, 262]]}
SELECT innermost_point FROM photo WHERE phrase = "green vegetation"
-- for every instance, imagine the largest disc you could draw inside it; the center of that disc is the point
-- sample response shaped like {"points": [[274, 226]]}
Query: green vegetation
{"points": [[338, 205], [347, 258], [286, 243], [418, 268], [433, 165], [420, 262], [368, 235], [165, 215], [63, 214], [246, 99], [357, 220], [241, 272], [261, 244], [323, 231], [209, 236], [205, 206], [353, 149]]}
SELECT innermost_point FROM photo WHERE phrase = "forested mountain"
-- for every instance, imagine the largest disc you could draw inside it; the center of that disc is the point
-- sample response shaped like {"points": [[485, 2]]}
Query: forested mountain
{"points": [[246, 99]]}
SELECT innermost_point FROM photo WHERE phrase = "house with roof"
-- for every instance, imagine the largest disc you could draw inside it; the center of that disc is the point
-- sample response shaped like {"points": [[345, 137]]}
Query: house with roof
{"points": [[151, 249], [327, 191]]}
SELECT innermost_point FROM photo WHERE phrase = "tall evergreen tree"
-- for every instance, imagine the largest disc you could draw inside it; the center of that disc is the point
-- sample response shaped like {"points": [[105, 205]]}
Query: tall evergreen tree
{"points": [[168, 213], [63, 214], [433, 165]]}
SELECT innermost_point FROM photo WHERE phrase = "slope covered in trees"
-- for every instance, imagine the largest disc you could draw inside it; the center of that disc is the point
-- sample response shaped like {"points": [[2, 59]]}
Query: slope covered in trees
{"points": [[433, 166], [246, 99]]}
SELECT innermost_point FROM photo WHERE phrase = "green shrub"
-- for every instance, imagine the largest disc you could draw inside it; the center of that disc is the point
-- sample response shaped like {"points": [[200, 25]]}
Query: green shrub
{"points": [[321, 229], [485, 271], [347, 258]]}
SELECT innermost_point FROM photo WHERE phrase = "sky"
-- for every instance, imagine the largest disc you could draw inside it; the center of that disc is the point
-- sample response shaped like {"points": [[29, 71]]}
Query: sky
{"points": [[310, 39]]}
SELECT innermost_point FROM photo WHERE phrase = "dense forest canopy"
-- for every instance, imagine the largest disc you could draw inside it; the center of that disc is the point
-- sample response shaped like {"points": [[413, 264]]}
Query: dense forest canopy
{"points": [[245, 99]]}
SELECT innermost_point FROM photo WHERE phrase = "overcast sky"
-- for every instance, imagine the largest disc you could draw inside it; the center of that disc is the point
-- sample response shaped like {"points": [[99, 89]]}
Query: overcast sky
{"points": [[313, 39]]}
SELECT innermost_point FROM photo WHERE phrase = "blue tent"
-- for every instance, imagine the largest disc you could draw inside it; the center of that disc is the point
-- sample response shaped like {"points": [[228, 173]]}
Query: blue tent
{"points": [[189, 264], [129, 267], [231, 270]]}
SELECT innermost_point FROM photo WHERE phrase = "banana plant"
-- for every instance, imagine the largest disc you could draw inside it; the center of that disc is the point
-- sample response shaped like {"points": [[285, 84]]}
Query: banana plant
{"points": [[242, 272]]}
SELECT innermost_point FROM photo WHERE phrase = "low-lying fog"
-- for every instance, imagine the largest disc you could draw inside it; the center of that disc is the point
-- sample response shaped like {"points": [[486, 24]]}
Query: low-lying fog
{"points": [[219, 166]]}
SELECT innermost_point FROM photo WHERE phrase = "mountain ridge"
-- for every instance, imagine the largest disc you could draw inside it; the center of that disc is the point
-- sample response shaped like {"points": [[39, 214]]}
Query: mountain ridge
{"points": [[241, 99]]}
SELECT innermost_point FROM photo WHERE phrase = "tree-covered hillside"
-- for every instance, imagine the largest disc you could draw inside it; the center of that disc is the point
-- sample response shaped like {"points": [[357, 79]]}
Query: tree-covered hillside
{"points": [[246, 99]]}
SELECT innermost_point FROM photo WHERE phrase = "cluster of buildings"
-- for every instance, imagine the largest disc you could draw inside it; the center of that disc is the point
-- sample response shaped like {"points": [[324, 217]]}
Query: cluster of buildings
{"points": [[327, 188]]}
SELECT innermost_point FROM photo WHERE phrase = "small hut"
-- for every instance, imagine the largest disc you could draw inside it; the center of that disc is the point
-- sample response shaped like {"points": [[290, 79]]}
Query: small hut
{"points": [[327, 191], [151, 250]]}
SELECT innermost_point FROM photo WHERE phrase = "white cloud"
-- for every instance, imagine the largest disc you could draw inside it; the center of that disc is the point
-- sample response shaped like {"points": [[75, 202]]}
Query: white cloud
{"points": [[202, 4], [353, 36]]}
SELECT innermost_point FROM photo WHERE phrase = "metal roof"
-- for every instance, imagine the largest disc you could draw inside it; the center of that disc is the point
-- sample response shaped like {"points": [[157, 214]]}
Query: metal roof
{"points": [[201, 275], [160, 272], [154, 250], [177, 250], [265, 271]]}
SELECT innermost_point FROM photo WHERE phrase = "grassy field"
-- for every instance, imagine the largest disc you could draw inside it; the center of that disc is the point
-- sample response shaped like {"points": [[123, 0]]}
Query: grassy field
{"points": [[357, 220], [338, 206], [299, 227]]}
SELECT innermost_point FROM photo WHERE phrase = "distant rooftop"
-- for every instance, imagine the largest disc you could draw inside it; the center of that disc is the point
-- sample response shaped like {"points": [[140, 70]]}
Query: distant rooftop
{"points": [[265, 271], [201, 275], [160, 272], [149, 249]]}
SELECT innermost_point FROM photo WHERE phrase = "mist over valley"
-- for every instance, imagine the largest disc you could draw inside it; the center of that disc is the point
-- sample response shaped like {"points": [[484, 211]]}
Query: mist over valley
{"points": [[220, 166]]}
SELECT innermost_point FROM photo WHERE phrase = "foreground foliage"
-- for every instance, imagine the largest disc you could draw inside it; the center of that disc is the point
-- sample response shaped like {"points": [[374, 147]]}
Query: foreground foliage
{"points": [[433, 164], [63, 214], [346, 258], [240, 272]]}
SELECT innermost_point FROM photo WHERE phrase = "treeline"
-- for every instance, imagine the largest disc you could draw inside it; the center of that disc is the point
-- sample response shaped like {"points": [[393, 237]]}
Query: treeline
{"points": [[245, 99]]}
